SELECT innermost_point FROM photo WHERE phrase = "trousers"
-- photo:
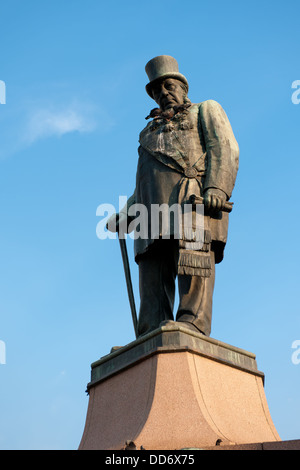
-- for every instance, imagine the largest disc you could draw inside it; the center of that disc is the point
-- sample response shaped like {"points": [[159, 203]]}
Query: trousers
{"points": [[157, 277]]}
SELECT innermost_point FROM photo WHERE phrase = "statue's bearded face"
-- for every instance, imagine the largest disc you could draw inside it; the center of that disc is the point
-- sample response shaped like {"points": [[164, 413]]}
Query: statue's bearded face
{"points": [[169, 93]]}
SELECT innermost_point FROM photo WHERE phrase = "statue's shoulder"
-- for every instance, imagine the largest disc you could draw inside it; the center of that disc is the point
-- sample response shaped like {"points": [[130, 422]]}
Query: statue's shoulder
{"points": [[207, 108], [211, 110], [209, 105]]}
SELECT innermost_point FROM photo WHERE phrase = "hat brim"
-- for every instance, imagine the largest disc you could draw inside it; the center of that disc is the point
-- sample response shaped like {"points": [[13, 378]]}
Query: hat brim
{"points": [[176, 75]]}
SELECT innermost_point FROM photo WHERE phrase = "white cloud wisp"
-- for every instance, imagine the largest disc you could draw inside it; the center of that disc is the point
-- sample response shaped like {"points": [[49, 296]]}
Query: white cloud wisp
{"points": [[44, 123]]}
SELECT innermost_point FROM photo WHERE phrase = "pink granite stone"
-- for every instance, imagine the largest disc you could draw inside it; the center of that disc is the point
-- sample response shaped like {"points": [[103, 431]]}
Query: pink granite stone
{"points": [[178, 398]]}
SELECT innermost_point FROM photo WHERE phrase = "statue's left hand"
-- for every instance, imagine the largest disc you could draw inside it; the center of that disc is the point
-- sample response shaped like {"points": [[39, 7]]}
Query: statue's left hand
{"points": [[214, 200]]}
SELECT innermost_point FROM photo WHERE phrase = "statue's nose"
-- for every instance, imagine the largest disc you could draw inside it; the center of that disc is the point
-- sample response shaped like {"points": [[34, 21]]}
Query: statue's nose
{"points": [[163, 91]]}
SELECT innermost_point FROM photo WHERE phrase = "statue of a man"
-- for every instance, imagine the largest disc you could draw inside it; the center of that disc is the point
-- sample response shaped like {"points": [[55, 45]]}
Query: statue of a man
{"points": [[186, 149]]}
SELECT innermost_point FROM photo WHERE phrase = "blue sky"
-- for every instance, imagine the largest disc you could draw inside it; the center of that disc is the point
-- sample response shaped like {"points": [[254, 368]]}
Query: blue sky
{"points": [[75, 104]]}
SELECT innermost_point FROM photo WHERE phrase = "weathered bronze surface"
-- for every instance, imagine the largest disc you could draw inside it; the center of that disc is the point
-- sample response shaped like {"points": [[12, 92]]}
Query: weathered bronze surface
{"points": [[186, 151]]}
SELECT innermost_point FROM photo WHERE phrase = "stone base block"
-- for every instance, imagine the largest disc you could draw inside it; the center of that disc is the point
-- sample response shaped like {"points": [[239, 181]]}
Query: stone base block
{"points": [[175, 389]]}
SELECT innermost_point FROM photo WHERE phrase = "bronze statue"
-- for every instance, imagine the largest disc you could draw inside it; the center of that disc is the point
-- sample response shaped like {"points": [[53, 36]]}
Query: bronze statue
{"points": [[186, 150]]}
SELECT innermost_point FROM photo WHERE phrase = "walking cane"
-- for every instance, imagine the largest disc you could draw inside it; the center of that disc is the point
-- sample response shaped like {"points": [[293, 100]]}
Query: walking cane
{"points": [[124, 254]]}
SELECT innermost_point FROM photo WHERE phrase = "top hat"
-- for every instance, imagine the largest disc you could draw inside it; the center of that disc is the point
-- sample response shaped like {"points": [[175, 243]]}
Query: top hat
{"points": [[161, 67]]}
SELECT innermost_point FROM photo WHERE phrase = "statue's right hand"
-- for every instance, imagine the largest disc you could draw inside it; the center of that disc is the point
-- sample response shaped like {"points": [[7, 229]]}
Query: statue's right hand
{"points": [[117, 222], [112, 223]]}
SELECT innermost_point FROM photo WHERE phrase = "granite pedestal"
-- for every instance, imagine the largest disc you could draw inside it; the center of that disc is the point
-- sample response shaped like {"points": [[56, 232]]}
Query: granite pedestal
{"points": [[176, 389]]}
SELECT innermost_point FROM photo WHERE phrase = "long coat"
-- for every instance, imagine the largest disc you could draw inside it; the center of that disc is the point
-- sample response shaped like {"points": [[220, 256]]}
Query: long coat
{"points": [[191, 153]]}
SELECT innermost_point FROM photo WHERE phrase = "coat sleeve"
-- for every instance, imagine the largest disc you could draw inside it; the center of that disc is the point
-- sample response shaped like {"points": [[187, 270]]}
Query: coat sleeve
{"points": [[221, 148]]}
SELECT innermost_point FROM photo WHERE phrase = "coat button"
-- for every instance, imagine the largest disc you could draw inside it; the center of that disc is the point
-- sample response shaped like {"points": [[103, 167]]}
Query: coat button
{"points": [[190, 172]]}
